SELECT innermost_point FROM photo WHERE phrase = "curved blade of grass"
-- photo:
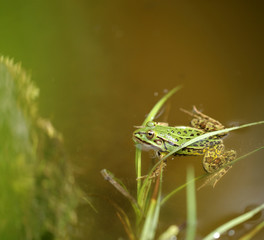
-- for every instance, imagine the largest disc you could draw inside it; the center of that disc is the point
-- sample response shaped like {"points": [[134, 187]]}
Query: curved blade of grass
{"points": [[89, 202], [123, 218], [126, 223], [173, 192], [168, 196], [159, 104], [150, 117], [232, 223], [143, 194], [138, 169], [117, 183], [151, 222], [253, 232], [191, 205], [201, 137]]}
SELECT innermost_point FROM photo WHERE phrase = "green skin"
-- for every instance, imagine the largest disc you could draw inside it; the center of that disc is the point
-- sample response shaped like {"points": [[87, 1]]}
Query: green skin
{"points": [[164, 139]]}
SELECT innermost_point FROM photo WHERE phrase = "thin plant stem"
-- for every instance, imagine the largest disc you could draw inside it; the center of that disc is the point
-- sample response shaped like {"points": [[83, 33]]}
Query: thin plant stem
{"points": [[191, 205], [150, 117]]}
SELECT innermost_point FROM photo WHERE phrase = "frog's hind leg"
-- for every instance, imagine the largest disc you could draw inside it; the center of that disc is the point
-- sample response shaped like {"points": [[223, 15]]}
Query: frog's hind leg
{"points": [[229, 157], [202, 121], [214, 162]]}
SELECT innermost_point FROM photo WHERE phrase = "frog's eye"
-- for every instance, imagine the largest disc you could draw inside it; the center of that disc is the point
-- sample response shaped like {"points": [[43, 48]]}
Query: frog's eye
{"points": [[150, 124], [150, 134]]}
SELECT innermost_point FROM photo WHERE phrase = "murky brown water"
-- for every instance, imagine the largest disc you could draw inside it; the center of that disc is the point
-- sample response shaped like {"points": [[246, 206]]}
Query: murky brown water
{"points": [[101, 66]]}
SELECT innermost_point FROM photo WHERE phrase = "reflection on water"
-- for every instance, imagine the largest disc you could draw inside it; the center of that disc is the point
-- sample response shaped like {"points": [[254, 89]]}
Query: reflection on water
{"points": [[100, 65]]}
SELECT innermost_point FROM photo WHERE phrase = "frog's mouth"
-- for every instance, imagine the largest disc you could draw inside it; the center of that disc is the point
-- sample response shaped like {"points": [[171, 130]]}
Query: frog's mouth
{"points": [[141, 144]]}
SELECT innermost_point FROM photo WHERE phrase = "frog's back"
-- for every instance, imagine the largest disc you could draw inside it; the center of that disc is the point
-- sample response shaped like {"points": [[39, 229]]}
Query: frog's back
{"points": [[176, 136]]}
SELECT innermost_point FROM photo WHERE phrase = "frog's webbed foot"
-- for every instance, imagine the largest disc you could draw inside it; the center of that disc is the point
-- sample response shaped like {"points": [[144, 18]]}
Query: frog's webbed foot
{"points": [[158, 169], [202, 121], [156, 172], [213, 178], [219, 168]]}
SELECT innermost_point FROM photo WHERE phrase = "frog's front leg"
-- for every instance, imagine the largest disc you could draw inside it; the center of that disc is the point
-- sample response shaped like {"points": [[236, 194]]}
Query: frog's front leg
{"points": [[214, 159], [159, 168], [202, 121]]}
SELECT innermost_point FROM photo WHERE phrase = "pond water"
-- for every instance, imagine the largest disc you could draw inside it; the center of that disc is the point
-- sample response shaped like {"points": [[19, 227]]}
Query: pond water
{"points": [[102, 65]]}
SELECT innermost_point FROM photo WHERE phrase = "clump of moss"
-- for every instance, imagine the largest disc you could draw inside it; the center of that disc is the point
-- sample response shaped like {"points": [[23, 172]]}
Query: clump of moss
{"points": [[38, 194]]}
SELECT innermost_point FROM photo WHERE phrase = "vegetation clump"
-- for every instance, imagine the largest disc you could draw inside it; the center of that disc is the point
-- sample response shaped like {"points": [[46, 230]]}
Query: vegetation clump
{"points": [[38, 194]]}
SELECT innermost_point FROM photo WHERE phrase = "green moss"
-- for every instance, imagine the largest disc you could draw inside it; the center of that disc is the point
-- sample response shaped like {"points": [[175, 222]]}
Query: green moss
{"points": [[38, 195]]}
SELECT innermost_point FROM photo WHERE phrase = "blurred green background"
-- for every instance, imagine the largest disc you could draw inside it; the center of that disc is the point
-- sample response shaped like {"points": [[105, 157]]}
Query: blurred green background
{"points": [[101, 66]]}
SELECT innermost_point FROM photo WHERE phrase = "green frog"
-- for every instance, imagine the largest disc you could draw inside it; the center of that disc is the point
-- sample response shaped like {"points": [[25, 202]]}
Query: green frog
{"points": [[164, 139]]}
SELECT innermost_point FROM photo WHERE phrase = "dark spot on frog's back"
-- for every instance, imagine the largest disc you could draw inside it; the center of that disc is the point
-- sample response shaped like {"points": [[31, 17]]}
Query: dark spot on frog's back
{"points": [[185, 132], [192, 135], [172, 131], [179, 133], [213, 143]]}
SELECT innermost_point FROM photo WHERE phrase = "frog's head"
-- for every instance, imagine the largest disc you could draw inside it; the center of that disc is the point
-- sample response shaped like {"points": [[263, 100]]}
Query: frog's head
{"points": [[147, 136]]}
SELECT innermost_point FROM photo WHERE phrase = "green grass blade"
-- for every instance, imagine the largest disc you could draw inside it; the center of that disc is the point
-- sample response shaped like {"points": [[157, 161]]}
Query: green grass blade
{"points": [[173, 192], [152, 114], [150, 117], [232, 223], [149, 228], [151, 222], [168, 196], [89, 202], [118, 184], [138, 169], [191, 205], [253, 232], [123, 217], [143, 194], [125, 222]]}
